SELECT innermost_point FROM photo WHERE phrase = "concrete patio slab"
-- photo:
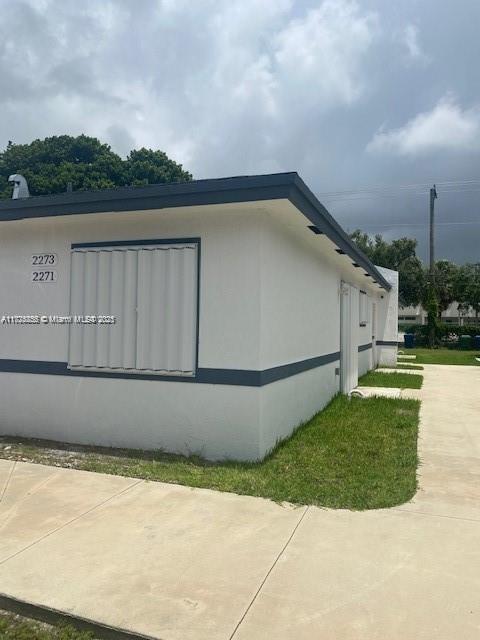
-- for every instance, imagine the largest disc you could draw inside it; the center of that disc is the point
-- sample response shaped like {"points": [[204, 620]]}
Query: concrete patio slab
{"points": [[162, 560], [40, 499], [383, 575], [449, 443], [6, 468]]}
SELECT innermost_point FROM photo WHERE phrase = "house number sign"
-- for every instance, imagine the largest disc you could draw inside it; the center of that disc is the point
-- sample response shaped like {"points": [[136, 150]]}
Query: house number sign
{"points": [[42, 263]]}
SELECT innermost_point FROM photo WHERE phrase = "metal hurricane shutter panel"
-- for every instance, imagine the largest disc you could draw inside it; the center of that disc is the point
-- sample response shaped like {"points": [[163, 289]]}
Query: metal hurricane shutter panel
{"points": [[77, 281], [152, 292]]}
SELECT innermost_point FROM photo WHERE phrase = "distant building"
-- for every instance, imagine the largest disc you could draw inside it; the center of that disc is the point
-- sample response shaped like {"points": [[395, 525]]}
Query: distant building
{"points": [[453, 315]]}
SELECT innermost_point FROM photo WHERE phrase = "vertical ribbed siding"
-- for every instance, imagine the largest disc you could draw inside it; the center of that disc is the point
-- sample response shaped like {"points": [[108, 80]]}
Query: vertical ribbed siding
{"points": [[77, 293], [104, 268], [129, 313], [188, 295], [166, 320], [152, 292]]}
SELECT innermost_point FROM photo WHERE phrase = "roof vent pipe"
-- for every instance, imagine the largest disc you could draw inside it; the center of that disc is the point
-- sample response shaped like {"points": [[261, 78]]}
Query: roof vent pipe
{"points": [[20, 188]]}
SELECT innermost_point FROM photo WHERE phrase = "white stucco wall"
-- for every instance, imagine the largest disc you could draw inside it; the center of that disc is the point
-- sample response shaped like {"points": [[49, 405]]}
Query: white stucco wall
{"points": [[269, 296], [388, 321], [229, 288], [300, 299], [214, 420], [364, 362], [288, 403]]}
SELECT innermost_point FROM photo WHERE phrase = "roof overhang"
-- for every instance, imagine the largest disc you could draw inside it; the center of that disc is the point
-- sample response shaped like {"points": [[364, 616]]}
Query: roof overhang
{"points": [[196, 193]]}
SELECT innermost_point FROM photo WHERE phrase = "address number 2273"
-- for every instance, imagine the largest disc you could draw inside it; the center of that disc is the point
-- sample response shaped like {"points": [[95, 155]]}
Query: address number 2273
{"points": [[44, 259]]}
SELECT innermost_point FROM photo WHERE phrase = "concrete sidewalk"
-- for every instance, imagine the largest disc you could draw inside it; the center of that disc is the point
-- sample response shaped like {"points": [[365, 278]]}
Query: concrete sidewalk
{"points": [[177, 564]]}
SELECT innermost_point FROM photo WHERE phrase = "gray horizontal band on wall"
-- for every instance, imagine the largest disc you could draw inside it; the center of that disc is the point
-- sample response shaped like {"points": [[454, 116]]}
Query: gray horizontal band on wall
{"points": [[236, 377], [387, 343], [56, 617], [365, 347], [136, 243]]}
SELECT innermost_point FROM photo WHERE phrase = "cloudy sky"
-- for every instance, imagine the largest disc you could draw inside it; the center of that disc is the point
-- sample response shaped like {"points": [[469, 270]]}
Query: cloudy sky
{"points": [[370, 101]]}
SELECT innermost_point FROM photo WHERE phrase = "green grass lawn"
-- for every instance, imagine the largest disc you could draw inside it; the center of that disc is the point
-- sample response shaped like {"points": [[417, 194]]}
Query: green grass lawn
{"points": [[16, 628], [444, 356], [394, 379], [355, 454]]}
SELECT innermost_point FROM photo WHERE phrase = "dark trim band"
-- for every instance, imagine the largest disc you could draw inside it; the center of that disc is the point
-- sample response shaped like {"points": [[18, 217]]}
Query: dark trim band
{"points": [[56, 617], [135, 243], [364, 347], [236, 377], [387, 343]]}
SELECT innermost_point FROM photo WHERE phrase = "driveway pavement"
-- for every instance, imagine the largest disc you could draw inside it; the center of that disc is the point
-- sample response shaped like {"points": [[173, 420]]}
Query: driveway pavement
{"points": [[176, 563]]}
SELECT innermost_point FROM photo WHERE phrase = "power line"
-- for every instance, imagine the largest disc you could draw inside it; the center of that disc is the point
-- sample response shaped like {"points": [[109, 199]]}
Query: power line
{"points": [[373, 196], [402, 190], [420, 224], [390, 188]]}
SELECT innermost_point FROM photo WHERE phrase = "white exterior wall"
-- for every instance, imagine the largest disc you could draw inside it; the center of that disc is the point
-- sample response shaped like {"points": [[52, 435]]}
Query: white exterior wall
{"points": [[364, 362], [300, 310], [300, 319], [229, 287], [269, 296], [388, 321], [216, 421], [365, 356], [300, 297]]}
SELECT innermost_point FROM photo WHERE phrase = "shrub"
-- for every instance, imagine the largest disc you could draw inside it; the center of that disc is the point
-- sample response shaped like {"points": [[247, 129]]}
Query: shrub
{"points": [[447, 334]]}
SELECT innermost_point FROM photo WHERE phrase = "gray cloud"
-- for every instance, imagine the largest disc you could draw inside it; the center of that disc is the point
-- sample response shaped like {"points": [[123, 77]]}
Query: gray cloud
{"points": [[352, 94]]}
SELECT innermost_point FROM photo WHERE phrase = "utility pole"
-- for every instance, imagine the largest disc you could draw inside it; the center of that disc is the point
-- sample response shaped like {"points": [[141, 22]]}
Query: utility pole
{"points": [[432, 298], [433, 197]]}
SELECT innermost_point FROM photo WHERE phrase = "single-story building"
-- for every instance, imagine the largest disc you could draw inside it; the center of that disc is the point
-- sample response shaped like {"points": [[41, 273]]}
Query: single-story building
{"points": [[454, 314], [208, 317]]}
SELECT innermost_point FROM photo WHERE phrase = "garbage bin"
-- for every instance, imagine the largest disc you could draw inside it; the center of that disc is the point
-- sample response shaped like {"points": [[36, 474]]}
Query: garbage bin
{"points": [[476, 341], [465, 342], [409, 340]]}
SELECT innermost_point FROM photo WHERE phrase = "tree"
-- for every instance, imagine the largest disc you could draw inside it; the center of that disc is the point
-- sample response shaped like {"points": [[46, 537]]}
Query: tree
{"points": [[446, 274], [50, 164], [430, 305], [467, 287], [399, 255]]}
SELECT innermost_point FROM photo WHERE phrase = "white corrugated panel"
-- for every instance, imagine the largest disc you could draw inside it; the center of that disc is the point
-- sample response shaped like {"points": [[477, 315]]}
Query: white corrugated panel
{"points": [[128, 317], [152, 292], [77, 281], [89, 354], [166, 306], [104, 268]]}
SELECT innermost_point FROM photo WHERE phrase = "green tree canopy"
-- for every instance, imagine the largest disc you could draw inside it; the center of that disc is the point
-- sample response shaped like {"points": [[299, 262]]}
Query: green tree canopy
{"points": [[399, 255], [50, 164], [452, 283], [446, 275], [467, 287]]}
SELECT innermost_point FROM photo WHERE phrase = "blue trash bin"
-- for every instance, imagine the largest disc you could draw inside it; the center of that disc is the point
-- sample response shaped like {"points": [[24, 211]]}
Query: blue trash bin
{"points": [[476, 341], [409, 340]]}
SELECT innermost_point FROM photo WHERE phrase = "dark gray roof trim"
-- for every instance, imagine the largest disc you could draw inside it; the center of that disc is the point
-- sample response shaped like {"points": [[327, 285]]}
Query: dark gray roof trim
{"points": [[198, 192], [313, 209]]}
